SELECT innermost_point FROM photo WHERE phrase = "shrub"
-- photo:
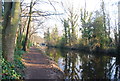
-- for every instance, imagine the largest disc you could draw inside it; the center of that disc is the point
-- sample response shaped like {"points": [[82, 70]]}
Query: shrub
{"points": [[9, 70], [13, 70]]}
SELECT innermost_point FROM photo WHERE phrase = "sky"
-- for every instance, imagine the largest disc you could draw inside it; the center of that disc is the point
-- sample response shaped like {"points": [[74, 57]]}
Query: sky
{"points": [[91, 5]]}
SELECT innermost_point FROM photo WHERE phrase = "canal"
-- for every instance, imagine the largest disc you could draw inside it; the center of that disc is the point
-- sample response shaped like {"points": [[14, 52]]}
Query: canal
{"points": [[79, 65]]}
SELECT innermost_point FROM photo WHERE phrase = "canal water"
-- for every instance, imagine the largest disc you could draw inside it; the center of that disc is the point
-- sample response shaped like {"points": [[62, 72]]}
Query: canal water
{"points": [[78, 65]]}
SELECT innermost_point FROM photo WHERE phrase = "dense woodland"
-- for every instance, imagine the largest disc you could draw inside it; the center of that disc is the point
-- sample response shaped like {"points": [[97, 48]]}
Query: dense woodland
{"points": [[17, 28]]}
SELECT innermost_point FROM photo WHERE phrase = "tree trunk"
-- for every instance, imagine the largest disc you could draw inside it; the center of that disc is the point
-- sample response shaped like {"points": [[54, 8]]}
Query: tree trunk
{"points": [[10, 24], [28, 27], [0, 10], [119, 26], [104, 17], [0, 32], [66, 31]]}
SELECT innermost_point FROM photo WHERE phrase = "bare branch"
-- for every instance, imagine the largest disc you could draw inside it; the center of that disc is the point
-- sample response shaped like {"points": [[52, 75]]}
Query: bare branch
{"points": [[52, 5]]}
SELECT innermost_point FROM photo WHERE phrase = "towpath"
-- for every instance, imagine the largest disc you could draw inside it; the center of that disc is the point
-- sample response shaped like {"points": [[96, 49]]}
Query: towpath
{"points": [[40, 66]]}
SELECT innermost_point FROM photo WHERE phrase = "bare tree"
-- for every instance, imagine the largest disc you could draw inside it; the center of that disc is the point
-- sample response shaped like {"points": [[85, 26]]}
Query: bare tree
{"points": [[28, 26], [33, 12]]}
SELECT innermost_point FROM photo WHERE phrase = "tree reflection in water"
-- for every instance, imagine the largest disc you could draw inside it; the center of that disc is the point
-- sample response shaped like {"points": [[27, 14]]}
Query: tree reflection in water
{"points": [[117, 71], [77, 65]]}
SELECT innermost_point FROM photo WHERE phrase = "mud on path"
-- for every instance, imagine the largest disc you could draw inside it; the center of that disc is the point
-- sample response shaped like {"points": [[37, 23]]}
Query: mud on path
{"points": [[39, 66]]}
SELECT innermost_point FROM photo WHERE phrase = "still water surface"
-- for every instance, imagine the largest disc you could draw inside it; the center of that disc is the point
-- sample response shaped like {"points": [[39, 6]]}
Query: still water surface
{"points": [[77, 65]]}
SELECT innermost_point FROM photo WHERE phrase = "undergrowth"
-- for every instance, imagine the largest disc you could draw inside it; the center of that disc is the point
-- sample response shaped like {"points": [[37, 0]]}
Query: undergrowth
{"points": [[13, 70]]}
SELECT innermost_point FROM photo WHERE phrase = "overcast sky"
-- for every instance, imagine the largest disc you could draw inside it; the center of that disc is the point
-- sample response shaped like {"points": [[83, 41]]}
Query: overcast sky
{"points": [[91, 5]]}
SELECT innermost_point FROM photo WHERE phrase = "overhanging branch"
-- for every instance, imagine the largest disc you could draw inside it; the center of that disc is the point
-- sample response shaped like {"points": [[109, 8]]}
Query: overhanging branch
{"points": [[39, 15]]}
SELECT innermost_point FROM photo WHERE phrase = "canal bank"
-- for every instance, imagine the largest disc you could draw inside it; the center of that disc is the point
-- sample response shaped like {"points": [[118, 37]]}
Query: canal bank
{"points": [[87, 49], [81, 65], [40, 66]]}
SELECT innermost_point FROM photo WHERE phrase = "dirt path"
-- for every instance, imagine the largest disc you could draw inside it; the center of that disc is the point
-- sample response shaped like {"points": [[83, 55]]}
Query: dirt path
{"points": [[39, 66]]}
